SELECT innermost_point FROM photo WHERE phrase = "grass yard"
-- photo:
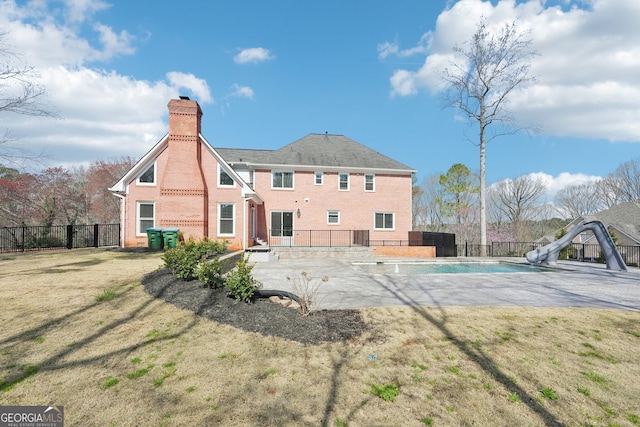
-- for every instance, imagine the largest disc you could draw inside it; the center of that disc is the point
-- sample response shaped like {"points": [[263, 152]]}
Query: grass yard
{"points": [[78, 330]]}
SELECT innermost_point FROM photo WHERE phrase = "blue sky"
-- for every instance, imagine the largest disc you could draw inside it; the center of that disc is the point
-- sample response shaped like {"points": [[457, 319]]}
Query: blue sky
{"points": [[268, 73]]}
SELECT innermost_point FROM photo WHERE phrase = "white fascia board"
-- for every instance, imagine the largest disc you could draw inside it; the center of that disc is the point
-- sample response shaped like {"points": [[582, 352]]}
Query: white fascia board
{"points": [[247, 191], [122, 186]]}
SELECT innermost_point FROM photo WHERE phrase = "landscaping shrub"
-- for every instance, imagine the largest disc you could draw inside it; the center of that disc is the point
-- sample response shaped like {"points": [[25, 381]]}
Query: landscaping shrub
{"points": [[210, 273], [239, 282], [183, 260]]}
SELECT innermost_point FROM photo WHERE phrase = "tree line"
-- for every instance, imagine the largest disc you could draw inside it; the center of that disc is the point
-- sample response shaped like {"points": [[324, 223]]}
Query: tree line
{"points": [[58, 196], [518, 209]]}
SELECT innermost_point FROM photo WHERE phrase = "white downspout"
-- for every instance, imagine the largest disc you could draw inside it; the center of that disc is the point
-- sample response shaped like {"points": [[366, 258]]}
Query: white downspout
{"points": [[123, 219], [245, 232]]}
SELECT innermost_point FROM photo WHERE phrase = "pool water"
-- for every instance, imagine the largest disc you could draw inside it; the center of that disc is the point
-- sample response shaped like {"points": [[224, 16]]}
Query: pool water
{"points": [[450, 267]]}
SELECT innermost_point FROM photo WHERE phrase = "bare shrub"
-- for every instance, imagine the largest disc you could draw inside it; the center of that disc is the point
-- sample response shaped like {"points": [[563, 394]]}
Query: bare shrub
{"points": [[307, 290]]}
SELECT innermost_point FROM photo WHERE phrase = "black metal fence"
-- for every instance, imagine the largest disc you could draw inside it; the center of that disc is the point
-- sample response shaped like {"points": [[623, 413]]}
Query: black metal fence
{"points": [[33, 238], [318, 238], [574, 252]]}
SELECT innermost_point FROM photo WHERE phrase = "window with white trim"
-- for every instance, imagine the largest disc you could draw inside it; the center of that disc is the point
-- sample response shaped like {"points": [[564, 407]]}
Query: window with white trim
{"points": [[343, 182], [282, 179], [226, 219], [369, 182], [146, 216], [319, 178], [148, 177], [384, 221], [333, 217], [224, 179]]}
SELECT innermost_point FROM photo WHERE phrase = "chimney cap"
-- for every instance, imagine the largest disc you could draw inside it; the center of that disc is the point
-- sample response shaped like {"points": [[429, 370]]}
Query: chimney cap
{"points": [[184, 98]]}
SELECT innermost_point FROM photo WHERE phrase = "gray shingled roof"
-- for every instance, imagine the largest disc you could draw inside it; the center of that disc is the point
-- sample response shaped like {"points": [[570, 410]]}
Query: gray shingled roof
{"points": [[625, 216], [323, 150]]}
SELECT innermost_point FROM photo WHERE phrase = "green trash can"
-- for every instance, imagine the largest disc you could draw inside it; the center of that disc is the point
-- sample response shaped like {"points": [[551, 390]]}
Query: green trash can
{"points": [[170, 237], [154, 238]]}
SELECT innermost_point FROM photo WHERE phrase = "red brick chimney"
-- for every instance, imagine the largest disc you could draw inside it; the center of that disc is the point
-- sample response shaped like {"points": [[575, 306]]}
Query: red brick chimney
{"points": [[183, 188]]}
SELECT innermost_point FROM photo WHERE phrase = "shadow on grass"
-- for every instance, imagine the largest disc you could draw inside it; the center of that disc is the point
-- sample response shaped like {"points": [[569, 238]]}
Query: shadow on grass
{"points": [[475, 355], [56, 361]]}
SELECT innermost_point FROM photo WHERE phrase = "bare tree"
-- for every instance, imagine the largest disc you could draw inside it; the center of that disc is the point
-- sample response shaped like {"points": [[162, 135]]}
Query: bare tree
{"points": [[20, 93], [431, 216], [517, 199], [488, 69], [578, 200], [624, 183]]}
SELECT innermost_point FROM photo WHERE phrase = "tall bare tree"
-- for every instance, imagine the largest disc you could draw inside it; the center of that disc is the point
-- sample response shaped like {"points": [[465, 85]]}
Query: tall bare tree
{"points": [[20, 93], [517, 199], [488, 69], [578, 200]]}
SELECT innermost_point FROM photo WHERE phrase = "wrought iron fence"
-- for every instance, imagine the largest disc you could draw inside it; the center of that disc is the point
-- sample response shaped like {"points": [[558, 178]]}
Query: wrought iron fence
{"points": [[318, 238], [33, 238], [575, 251]]}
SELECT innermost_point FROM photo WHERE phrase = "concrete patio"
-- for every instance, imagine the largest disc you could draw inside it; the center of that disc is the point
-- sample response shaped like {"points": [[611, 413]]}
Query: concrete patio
{"points": [[572, 284]]}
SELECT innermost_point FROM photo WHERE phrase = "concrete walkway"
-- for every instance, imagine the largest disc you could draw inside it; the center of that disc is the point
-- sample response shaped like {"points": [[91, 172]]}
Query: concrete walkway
{"points": [[574, 284]]}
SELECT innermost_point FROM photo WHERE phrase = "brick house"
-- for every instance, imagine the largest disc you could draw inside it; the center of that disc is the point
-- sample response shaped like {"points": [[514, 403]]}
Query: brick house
{"points": [[319, 182]]}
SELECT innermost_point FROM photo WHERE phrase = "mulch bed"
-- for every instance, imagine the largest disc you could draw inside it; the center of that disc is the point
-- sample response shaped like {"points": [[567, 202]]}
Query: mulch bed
{"points": [[261, 316]]}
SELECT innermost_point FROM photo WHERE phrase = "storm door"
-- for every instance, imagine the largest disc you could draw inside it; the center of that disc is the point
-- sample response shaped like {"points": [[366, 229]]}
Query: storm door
{"points": [[282, 228]]}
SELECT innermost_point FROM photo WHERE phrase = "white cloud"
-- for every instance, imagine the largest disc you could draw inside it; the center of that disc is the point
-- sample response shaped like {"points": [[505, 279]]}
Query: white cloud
{"points": [[557, 183], [588, 80], [253, 55], [242, 91], [103, 114], [188, 81]]}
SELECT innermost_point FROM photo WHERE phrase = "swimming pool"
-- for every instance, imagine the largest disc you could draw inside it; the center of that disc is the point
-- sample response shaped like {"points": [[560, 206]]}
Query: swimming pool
{"points": [[445, 267]]}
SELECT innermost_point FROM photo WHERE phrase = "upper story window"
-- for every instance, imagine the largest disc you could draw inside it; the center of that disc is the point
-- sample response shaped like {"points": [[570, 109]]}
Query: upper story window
{"points": [[224, 180], [148, 176], [282, 180], [319, 178], [343, 182], [369, 182]]}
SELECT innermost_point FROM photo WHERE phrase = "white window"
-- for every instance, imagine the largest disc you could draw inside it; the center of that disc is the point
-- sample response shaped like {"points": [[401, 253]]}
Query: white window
{"points": [[226, 222], [319, 178], [384, 221], [224, 180], [343, 182], [333, 217], [282, 180], [148, 177], [146, 216], [369, 182]]}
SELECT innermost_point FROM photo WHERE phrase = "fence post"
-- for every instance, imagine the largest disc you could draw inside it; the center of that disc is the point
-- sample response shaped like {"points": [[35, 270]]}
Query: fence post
{"points": [[69, 236], [95, 235]]}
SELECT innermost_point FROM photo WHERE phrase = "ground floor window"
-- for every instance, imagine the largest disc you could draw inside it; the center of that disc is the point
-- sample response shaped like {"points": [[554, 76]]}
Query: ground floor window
{"points": [[226, 219], [333, 217], [384, 221], [146, 216]]}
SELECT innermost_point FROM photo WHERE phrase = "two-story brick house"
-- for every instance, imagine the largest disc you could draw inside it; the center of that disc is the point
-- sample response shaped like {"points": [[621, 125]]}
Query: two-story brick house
{"points": [[319, 182]]}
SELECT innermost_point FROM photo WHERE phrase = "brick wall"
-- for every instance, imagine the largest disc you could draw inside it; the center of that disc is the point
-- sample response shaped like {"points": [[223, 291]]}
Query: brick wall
{"points": [[356, 206]]}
